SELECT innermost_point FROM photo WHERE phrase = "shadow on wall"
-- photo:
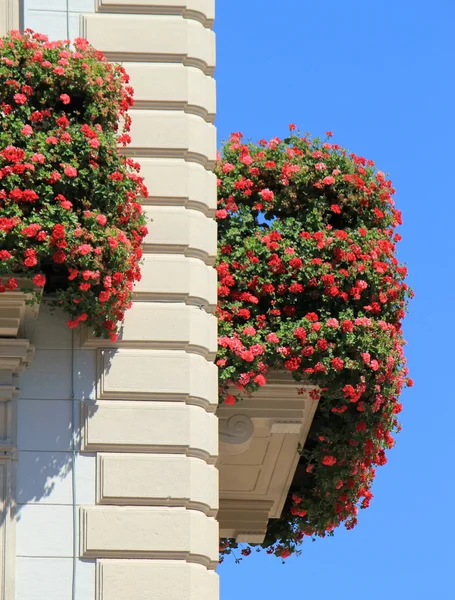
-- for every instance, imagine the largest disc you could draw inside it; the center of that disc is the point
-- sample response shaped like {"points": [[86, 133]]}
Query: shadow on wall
{"points": [[61, 377]]}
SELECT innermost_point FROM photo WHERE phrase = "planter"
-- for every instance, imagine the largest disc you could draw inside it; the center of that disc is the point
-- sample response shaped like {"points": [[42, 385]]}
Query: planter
{"points": [[74, 214]]}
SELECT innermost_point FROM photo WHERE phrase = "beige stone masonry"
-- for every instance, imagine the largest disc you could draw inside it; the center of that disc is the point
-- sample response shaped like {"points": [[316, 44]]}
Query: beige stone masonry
{"points": [[173, 134], [161, 479], [152, 38], [175, 278], [165, 326], [179, 183], [174, 230], [152, 422], [150, 427], [197, 381], [172, 87], [157, 580], [149, 532]]}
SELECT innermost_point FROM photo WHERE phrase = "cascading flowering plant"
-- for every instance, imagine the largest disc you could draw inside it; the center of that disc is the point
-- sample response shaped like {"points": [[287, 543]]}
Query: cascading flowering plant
{"points": [[309, 283], [68, 198]]}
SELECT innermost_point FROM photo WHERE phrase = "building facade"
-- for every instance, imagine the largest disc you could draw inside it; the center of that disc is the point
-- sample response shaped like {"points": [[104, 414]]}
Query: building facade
{"points": [[108, 483]]}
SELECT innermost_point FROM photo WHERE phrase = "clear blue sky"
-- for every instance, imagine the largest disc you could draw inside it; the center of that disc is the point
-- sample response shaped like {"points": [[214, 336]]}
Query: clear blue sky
{"points": [[380, 75]]}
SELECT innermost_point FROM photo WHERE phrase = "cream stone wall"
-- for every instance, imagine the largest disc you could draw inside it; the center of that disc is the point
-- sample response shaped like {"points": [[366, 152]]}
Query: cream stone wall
{"points": [[153, 426], [127, 433]]}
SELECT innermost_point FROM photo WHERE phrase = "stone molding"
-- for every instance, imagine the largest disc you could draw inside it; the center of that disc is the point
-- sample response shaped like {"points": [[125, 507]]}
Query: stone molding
{"points": [[200, 10]]}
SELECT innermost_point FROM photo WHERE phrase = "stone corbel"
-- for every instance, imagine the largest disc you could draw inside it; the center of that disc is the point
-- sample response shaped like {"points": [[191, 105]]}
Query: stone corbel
{"points": [[235, 434]]}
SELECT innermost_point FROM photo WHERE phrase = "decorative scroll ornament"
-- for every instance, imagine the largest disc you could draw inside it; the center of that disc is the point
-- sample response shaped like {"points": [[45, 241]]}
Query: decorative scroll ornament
{"points": [[236, 434]]}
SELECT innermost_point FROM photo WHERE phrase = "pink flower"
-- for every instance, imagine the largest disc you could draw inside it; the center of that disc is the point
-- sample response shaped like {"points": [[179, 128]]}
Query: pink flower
{"points": [[249, 331], [227, 168], [70, 171], [337, 363], [39, 280], [65, 98], [332, 323], [246, 160], [374, 365], [39, 158], [221, 214], [320, 166], [20, 98], [84, 249], [328, 180], [366, 357], [27, 130], [102, 219], [273, 338], [230, 399], [260, 380], [267, 195]]}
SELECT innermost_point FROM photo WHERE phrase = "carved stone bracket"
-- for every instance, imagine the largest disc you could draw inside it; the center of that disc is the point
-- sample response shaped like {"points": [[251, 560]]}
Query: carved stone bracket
{"points": [[259, 454], [235, 434]]}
